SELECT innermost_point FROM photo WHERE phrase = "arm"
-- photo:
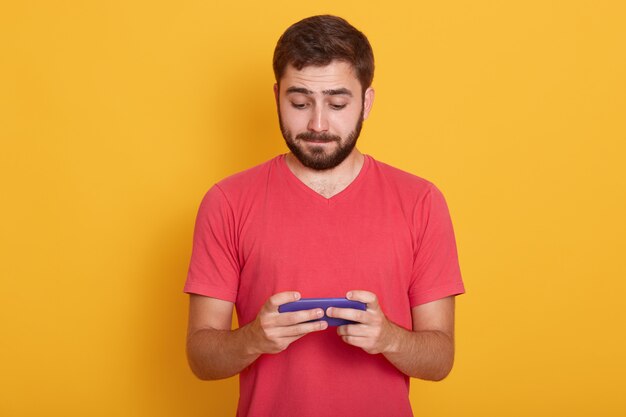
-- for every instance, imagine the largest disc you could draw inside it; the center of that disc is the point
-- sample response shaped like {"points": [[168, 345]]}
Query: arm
{"points": [[215, 351], [426, 352]]}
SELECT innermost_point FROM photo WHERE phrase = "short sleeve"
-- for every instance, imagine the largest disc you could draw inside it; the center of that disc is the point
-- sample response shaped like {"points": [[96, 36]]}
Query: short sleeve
{"points": [[214, 267], [436, 272]]}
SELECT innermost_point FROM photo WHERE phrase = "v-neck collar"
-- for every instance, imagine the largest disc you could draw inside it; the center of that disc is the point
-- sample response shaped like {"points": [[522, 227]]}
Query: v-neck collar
{"points": [[291, 178]]}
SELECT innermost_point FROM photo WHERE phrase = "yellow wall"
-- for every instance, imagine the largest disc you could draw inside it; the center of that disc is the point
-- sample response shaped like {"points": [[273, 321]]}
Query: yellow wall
{"points": [[117, 116]]}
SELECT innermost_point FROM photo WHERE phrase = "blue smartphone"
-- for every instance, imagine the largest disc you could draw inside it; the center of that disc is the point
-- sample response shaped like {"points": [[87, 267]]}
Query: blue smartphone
{"points": [[324, 303]]}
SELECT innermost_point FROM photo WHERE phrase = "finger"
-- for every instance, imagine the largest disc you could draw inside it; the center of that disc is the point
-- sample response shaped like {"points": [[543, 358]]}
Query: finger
{"points": [[363, 296], [295, 317], [280, 298], [357, 330], [302, 329], [359, 316], [355, 341], [290, 339]]}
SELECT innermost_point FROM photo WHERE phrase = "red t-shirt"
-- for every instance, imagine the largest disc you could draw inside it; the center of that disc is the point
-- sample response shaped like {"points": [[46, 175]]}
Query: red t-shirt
{"points": [[263, 231]]}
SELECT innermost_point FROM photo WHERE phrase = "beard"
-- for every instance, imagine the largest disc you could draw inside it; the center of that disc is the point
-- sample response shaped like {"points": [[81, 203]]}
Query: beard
{"points": [[318, 157]]}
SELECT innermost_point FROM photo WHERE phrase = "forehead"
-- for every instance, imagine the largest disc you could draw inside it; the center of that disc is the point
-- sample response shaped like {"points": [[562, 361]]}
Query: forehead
{"points": [[335, 75]]}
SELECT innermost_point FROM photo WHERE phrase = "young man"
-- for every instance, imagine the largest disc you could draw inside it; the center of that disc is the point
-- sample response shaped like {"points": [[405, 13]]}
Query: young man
{"points": [[323, 221]]}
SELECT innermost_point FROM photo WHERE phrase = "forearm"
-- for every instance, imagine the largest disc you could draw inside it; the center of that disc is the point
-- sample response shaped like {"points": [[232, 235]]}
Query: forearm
{"points": [[217, 354], [214, 351], [427, 354]]}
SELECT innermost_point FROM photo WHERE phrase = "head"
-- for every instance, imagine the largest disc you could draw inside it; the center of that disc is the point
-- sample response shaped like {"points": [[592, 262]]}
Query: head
{"points": [[319, 40], [324, 69]]}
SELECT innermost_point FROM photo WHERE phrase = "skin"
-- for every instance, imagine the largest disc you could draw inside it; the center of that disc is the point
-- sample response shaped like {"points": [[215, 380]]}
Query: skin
{"points": [[323, 101], [305, 104], [426, 352], [214, 351]]}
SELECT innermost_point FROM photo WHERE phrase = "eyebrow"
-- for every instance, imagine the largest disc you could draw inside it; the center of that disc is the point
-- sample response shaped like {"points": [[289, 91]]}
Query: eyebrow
{"points": [[332, 92]]}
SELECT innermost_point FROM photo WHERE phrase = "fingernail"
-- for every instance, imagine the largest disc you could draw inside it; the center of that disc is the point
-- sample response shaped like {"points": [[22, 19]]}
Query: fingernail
{"points": [[349, 295], [329, 311], [296, 295]]}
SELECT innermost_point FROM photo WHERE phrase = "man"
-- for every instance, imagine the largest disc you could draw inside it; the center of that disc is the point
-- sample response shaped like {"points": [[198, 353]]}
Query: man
{"points": [[323, 221]]}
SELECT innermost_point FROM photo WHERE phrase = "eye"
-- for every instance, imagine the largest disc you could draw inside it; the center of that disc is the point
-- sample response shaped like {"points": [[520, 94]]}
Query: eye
{"points": [[299, 106], [337, 106]]}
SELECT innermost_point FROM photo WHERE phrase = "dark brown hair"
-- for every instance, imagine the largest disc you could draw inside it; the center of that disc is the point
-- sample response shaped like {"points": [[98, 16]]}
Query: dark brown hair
{"points": [[319, 40]]}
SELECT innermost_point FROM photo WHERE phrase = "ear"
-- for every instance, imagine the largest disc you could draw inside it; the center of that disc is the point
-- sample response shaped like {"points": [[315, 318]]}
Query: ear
{"points": [[368, 102], [276, 92]]}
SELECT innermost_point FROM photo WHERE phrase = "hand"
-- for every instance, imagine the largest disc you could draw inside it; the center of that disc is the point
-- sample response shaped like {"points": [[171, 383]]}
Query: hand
{"points": [[273, 332], [373, 333]]}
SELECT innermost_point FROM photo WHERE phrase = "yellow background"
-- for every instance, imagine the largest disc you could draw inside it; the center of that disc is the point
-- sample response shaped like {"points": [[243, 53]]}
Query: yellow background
{"points": [[117, 116]]}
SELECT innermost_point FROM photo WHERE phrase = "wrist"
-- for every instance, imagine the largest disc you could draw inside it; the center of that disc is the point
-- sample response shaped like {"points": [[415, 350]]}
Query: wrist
{"points": [[249, 342], [393, 338]]}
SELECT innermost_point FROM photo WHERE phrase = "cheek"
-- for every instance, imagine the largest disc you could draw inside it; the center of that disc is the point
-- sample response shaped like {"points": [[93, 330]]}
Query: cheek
{"points": [[293, 118], [345, 122]]}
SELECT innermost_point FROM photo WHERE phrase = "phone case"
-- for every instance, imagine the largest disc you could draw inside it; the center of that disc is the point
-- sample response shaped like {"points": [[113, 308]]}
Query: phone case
{"points": [[324, 303]]}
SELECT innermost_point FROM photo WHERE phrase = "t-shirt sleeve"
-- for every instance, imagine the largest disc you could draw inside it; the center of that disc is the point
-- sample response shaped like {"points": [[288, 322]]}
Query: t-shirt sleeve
{"points": [[214, 267], [436, 272]]}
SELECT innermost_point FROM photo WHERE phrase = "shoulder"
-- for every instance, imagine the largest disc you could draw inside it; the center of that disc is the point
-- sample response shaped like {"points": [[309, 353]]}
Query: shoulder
{"points": [[245, 184], [407, 185], [248, 177], [421, 202]]}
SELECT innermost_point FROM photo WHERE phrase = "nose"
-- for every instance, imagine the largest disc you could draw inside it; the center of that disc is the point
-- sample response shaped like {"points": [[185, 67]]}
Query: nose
{"points": [[317, 121]]}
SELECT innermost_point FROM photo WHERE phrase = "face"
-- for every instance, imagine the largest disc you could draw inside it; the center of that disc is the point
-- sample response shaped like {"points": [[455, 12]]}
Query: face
{"points": [[321, 111]]}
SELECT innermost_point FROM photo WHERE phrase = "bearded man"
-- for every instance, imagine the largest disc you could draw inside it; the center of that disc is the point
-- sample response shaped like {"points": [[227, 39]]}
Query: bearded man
{"points": [[323, 221]]}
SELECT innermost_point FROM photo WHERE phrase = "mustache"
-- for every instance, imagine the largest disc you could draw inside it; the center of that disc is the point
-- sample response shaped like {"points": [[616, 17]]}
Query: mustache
{"points": [[319, 137]]}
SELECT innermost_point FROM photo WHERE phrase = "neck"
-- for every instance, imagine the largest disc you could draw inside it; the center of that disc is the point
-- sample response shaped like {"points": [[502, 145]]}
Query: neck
{"points": [[330, 182]]}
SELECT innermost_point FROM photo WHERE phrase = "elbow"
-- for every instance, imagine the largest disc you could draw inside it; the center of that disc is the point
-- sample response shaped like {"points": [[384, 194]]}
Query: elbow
{"points": [[203, 376], [440, 374], [199, 365], [203, 373], [434, 375], [443, 366], [197, 371], [444, 369], [439, 368]]}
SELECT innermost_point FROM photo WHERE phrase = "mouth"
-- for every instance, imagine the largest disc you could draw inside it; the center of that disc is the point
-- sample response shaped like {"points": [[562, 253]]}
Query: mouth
{"points": [[317, 139]]}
